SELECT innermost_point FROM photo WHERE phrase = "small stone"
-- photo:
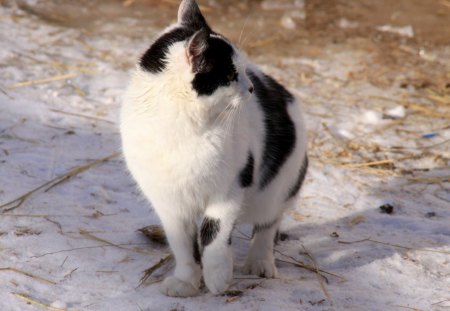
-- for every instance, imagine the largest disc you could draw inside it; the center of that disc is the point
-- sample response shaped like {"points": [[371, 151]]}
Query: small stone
{"points": [[334, 235], [430, 214], [387, 208], [283, 236], [398, 112], [287, 22], [371, 117]]}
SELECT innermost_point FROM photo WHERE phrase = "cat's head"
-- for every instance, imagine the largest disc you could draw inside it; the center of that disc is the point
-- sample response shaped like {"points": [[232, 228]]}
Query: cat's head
{"points": [[192, 52]]}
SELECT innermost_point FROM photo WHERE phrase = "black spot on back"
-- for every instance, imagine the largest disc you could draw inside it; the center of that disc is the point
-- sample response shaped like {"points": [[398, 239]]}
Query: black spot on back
{"points": [[154, 59], [246, 175], [280, 130], [209, 230], [217, 68], [298, 183]]}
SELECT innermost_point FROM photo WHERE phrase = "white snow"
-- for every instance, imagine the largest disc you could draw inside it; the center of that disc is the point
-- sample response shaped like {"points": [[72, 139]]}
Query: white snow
{"points": [[345, 23], [81, 236], [406, 31]]}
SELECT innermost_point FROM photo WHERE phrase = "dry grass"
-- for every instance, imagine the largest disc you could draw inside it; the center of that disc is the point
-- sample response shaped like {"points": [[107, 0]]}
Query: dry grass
{"points": [[42, 81], [12, 205], [396, 246], [74, 114], [302, 265], [96, 238], [28, 274], [320, 278], [30, 300], [149, 272]]}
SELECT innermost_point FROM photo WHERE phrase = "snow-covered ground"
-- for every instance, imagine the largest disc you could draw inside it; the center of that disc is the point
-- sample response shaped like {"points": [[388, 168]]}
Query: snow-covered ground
{"points": [[76, 246]]}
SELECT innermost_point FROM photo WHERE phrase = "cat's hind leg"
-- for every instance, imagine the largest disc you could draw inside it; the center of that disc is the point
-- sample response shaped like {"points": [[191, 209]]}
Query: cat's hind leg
{"points": [[261, 260], [182, 237]]}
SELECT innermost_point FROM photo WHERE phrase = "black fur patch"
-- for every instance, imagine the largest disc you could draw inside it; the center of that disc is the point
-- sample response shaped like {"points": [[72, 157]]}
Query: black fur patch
{"points": [[246, 175], [301, 177], [196, 250], [280, 130], [154, 59], [209, 230], [217, 68]]}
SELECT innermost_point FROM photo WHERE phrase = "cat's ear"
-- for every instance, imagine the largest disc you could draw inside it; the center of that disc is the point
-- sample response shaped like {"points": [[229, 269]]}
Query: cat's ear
{"points": [[189, 15], [196, 50]]}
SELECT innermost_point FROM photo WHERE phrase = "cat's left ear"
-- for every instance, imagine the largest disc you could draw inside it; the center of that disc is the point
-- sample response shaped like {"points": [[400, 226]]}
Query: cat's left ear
{"points": [[196, 50], [189, 15]]}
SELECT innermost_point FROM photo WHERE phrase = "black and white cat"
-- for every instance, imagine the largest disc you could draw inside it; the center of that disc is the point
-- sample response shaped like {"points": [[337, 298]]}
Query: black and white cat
{"points": [[206, 134]]}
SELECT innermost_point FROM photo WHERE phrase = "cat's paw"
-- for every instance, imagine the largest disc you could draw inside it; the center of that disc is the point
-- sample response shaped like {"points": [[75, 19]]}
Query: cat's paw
{"points": [[218, 272], [261, 267], [172, 286]]}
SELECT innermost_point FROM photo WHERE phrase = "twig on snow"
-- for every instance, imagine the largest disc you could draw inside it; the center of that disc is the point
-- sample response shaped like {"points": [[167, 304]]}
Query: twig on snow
{"points": [[6, 94], [319, 275], [430, 179], [147, 273], [372, 163], [35, 302], [300, 264], [439, 302], [395, 245], [96, 238], [53, 183], [82, 116], [407, 307], [28, 274], [42, 81], [79, 248]]}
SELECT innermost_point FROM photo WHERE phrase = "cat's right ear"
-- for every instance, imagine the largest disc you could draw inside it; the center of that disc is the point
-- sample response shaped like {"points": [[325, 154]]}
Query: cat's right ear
{"points": [[189, 15], [196, 50]]}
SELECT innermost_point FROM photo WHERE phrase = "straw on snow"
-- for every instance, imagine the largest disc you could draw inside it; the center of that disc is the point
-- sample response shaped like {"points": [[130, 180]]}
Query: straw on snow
{"points": [[13, 204], [28, 299], [42, 81], [31, 275]]}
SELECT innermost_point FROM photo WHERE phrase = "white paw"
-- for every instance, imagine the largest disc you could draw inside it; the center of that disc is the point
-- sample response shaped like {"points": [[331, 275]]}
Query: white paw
{"points": [[262, 267], [171, 286], [218, 272]]}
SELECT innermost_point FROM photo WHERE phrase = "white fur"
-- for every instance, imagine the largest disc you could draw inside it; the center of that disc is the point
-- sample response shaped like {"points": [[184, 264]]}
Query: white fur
{"points": [[186, 152]]}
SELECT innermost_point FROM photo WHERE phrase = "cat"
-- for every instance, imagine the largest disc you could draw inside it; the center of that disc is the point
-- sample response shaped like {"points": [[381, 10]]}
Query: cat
{"points": [[205, 133]]}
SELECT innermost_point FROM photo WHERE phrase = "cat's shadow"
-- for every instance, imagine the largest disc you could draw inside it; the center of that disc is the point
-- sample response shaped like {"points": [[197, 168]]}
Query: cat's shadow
{"points": [[416, 229]]}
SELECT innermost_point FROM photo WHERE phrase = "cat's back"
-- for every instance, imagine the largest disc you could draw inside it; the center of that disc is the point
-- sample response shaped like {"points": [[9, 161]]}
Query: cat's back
{"points": [[282, 122]]}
